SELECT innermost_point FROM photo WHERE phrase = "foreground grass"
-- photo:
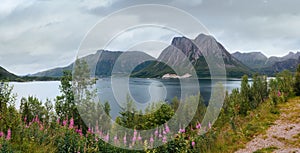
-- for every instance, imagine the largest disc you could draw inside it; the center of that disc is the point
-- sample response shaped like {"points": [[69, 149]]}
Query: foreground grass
{"points": [[266, 150], [257, 123], [247, 128]]}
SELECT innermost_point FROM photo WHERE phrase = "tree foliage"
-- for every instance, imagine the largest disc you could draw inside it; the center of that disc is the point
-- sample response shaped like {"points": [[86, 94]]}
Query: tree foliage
{"points": [[65, 106], [31, 108], [297, 81]]}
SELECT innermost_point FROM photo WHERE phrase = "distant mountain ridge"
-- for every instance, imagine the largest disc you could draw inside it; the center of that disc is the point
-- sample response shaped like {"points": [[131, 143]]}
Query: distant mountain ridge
{"points": [[270, 66], [101, 63], [253, 60]]}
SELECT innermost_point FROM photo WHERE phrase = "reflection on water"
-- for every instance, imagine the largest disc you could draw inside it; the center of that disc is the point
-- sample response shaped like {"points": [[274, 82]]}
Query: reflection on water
{"points": [[142, 91]]}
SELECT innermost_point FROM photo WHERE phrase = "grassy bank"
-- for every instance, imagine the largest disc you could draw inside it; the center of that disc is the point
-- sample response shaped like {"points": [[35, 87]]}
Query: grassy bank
{"points": [[256, 123]]}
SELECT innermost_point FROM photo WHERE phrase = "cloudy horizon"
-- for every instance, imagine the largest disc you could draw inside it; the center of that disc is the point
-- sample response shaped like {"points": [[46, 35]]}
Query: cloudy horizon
{"points": [[37, 35]]}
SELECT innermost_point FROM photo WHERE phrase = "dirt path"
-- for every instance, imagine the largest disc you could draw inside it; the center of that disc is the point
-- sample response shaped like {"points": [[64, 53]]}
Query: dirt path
{"points": [[283, 136]]}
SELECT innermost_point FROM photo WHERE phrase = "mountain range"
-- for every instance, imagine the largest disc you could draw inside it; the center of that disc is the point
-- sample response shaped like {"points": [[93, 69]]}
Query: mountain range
{"points": [[104, 63], [258, 62], [197, 51]]}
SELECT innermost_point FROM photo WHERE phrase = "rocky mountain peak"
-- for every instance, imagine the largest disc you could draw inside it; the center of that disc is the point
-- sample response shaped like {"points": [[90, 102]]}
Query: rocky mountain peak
{"points": [[204, 37]]}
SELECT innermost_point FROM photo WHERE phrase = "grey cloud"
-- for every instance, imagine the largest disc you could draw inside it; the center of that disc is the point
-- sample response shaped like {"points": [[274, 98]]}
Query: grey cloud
{"points": [[44, 34]]}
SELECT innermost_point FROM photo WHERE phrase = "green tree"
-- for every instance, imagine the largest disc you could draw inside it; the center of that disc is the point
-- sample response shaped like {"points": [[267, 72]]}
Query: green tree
{"points": [[273, 85], [7, 98], [102, 116], [285, 83], [85, 93], [231, 107], [245, 96], [297, 81], [259, 90], [31, 108], [9, 116], [65, 104], [128, 113], [49, 112], [155, 114]]}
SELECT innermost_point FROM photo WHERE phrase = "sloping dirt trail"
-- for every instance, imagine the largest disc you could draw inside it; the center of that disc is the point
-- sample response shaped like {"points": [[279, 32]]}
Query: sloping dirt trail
{"points": [[283, 136]]}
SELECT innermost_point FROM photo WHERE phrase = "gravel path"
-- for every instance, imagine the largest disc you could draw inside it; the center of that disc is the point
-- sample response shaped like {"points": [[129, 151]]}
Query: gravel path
{"points": [[284, 134]]}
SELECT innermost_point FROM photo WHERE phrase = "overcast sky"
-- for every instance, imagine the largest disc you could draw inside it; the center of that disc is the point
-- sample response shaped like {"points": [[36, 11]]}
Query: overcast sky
{"points": [[36, 35]]}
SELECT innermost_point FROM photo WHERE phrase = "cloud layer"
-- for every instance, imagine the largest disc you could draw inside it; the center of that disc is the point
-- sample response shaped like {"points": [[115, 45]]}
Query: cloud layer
{"points": [[41, 34]]}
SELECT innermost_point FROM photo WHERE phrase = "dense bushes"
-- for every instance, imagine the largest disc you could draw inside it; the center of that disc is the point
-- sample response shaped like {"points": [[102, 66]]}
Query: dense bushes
{"points": [[297, 82]]}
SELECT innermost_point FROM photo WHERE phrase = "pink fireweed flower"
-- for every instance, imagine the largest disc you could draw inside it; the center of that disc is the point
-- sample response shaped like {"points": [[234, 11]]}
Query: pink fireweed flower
{"points": [[160, 136], [106, 139], [139, 137], [167, 128], [156, 132], [181, 130], [133, 139], [125, 139], [116, 139], [279, 93], [151, 139], [89, 130], [8, 137], [65, 122], [164, 132], [1, 134], [164, 139], [37, 118], [79, 131], [135, 132], [198, 126], [100, 133], [209, 125], [193, 144], [25, 119], [71, 126]]}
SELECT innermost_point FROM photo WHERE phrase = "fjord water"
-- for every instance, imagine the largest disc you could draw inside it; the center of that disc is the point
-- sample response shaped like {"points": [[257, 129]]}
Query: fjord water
{"points": [[143, 91]]}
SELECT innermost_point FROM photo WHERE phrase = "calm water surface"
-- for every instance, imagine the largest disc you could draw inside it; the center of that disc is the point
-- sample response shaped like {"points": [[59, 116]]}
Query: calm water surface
{"points": [[143, 91]]}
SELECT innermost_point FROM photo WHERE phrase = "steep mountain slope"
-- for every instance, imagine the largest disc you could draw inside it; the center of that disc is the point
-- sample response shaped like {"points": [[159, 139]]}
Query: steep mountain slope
{"points": [[182, 47], [5, 75]]}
